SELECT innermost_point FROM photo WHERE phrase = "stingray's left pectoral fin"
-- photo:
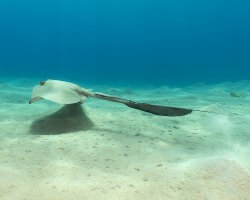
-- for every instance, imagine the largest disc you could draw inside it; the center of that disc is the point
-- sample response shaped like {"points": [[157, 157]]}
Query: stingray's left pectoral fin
{"points": [[83, 99], [35, 99]]}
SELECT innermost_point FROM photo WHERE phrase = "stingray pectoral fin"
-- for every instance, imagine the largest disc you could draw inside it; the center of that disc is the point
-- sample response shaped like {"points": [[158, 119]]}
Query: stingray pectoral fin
{"points": [[67, 97], [35, 99], [83, 99], [159, 110], [55, 92]]}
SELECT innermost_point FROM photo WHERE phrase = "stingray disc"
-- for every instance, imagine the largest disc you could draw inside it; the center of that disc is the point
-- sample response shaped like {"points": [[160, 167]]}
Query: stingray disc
{"points": [[57, 91]]}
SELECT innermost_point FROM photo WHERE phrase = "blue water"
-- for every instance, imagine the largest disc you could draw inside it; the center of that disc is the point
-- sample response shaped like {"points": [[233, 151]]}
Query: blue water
{"points": [[143, 41]]}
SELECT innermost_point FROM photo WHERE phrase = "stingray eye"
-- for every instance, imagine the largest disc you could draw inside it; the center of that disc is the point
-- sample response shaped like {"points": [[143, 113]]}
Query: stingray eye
{"points": [[42, 83]]}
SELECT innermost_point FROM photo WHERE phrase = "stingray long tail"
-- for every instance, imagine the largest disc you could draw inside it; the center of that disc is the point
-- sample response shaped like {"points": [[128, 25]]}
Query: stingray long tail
{"points": [[154, 109]]}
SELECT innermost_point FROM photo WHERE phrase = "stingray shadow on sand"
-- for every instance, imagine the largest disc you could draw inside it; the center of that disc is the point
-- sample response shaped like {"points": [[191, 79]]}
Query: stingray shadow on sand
{"points": [[70, 118]]}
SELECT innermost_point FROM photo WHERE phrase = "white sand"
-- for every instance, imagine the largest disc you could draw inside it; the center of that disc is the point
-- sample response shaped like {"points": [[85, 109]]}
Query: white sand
{"points": [[109, 151]]}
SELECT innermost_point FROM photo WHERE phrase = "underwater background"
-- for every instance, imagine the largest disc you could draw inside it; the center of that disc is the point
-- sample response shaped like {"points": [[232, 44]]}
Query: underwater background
{"points": [[126, 42], [189, 54]]}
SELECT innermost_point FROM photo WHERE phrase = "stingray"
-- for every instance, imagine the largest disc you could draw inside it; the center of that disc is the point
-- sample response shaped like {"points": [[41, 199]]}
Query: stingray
{"points": [[62, 92]]}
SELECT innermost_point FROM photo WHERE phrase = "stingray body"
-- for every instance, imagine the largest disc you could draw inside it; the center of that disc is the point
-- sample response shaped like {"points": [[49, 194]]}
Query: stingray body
{"points": [[62, 92]]}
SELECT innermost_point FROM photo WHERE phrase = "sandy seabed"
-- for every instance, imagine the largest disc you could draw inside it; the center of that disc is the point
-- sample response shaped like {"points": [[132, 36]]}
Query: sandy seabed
{"points": [[102, 150]]}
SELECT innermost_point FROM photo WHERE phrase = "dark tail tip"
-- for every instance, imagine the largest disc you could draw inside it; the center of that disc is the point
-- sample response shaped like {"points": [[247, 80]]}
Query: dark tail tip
{"points": [[159, 110]]}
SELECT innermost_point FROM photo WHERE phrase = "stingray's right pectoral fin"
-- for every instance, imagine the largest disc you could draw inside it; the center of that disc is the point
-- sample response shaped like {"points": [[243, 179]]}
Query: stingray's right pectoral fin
{"points": [[35, 99]]}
